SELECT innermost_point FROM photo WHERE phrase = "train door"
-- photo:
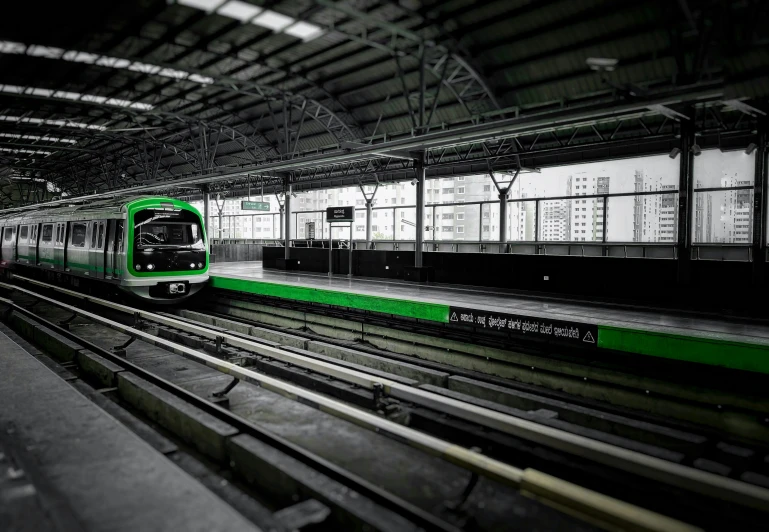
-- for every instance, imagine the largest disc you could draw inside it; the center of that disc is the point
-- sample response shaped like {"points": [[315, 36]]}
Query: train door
{"points": [[33, 238], [9, 244], [58, 251], [22, 245], [77, 248], [118, 255], [45, 248], [109, 250], [96, 251]]}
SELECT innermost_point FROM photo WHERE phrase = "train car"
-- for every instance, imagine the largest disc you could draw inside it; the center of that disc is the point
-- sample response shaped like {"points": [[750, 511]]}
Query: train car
{"points": [[150, 247]]}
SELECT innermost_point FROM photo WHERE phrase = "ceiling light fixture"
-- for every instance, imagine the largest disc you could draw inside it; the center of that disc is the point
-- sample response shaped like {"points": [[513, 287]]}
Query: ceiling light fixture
{"points": [[50, 122], [303, 30], [239, 10], [206, 5], [273, 21]]}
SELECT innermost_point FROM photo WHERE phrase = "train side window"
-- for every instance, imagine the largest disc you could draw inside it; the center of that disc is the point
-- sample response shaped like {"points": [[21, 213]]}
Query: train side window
{"points": [[8, 234], [47, 232], [24, 233], [78, 235], [119, 235], [100, 240], [93, 235]]}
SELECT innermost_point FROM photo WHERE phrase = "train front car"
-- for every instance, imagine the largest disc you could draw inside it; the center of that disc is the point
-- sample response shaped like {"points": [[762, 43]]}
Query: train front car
{"points": [[166, 254]]}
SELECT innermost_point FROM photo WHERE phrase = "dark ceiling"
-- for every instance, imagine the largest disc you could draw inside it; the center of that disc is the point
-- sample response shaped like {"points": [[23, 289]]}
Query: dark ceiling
{"points": [[101, 95]]}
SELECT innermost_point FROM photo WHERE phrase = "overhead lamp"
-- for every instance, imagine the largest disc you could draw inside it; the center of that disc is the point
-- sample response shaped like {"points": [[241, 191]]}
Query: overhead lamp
{"points": [[414, 181], [303, 30], [696, 150], [751, 148], [606, 64], [205, 5], [272, 20], [239, 10], [674, 153], [293, 194]]}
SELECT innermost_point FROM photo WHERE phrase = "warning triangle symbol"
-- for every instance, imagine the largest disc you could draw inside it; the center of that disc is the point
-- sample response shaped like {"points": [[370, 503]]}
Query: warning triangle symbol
{"points": [[454, 316], [589, 338]]}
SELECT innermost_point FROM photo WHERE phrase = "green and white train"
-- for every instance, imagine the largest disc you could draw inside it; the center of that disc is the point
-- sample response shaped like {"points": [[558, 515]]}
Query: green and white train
{"points": [[153, 248]]}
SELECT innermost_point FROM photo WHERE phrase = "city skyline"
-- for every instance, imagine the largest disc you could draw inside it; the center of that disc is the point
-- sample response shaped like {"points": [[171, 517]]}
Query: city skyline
{"points": [[722, 216]]}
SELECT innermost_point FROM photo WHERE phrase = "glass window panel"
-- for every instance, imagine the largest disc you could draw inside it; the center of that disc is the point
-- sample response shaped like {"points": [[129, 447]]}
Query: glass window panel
{"points": [[717, 169], [723, 216], [646, 218]]}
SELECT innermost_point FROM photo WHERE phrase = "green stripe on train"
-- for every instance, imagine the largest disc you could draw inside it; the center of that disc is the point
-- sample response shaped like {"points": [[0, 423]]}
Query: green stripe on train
{"points": [[386, 305], [711, 351]]}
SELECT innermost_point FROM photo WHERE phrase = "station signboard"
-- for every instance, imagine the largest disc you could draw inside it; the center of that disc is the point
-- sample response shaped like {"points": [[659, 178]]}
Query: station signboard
{"points": [[340, 214], [255, 206], [539, 328]]}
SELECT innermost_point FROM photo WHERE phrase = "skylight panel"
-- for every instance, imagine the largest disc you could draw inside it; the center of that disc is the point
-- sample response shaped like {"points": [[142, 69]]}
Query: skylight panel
{"points": [[201, 79], [118, 102], [304, 30], [93, 98], [144, 68], [80, 57], [37, 91], [24, 150], [141, 105], [45, 51], [273, 21], [205, 5], [64, 95], [12, 88], [10, 47], [172, 73], [113, 62], [239, 10], [37, 137]]}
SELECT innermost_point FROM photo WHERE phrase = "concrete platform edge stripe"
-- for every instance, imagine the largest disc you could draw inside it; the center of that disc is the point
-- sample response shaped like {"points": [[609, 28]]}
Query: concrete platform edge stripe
{"points": [[400, 307], [711, 351]]}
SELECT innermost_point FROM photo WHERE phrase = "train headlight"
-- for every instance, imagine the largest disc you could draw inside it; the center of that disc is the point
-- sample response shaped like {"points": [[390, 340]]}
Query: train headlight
{"points": [[150, 267], [192, 265], [138, 267], [200, 264]]}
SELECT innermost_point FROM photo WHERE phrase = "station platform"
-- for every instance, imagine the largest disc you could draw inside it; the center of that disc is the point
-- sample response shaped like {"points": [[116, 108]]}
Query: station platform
{"points": [[69, 465], [702, 339]]}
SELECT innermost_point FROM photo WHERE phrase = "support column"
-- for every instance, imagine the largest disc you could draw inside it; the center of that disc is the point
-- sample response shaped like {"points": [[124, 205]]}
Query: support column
{"points": [[419, 170], [369, 213], [287, 217], [280, 222], [760, 202], [685, 194], [503, 194], [206, 215]]}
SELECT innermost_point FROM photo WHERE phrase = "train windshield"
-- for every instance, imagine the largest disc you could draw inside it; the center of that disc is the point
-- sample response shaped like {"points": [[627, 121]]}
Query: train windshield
{"points": [[170, 229]]}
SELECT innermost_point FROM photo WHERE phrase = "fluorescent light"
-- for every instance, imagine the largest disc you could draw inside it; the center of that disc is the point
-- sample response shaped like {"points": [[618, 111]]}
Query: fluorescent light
{"points": [[144, 68], [47, 93], [12, 88], [80, 57], [45, 51], [10, 47], [112, 62], [50, 122], [239, 10], [205, 5], [37, 137], [25, 150], [272, 20], [201, 79], [303, 30], [172, 73]]}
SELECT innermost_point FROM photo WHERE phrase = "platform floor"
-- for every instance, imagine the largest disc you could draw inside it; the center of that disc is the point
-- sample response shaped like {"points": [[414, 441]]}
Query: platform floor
{"points": [[88, 471], [619, 327]]}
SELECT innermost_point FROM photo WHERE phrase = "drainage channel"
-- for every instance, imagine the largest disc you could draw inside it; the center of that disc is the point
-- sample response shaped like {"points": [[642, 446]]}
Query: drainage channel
{"points": [[544, 487]]}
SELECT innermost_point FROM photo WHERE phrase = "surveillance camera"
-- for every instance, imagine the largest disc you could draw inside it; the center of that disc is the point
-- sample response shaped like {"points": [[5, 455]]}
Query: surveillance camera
{"points": [[674, 153], [413, 181], [696, 150]]}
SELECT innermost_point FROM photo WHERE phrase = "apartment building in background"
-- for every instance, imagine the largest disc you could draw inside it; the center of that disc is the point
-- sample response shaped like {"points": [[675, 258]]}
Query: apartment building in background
{"points": [[655, 216]]}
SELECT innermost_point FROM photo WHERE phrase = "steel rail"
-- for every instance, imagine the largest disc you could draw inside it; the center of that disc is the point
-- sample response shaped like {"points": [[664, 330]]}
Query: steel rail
{"points": [[627, 460], [607, 509]]}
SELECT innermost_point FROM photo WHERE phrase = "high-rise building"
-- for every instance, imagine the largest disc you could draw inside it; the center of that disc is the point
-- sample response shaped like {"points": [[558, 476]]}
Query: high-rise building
{"points": [[587, 215], [703, 215], [735, 219], [655, 216]]}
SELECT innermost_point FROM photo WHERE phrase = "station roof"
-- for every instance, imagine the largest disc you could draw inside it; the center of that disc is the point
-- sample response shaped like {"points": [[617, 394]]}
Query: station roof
{"points": [[101, 95]]}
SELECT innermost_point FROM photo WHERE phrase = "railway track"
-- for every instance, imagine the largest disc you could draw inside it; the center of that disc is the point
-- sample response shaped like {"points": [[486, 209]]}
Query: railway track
{"points": [[237, 355]]}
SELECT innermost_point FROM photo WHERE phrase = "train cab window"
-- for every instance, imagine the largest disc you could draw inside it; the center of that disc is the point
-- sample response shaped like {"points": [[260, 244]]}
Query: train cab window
{"points": [[47, 233], [8, 234], [24, 233], [78, 235], [100, 240]]}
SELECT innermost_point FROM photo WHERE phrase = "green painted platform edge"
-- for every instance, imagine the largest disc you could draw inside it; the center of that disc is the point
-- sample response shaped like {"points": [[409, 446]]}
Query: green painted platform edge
{"points": [[711, 351], [386, 305]]}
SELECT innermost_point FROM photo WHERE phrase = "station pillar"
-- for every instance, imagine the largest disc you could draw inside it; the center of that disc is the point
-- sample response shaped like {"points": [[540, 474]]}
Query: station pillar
{"points": [[369, 213], [503, 194], [207, 215], [287, 216], [760, 210], [685, 198], [419, 170]]}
